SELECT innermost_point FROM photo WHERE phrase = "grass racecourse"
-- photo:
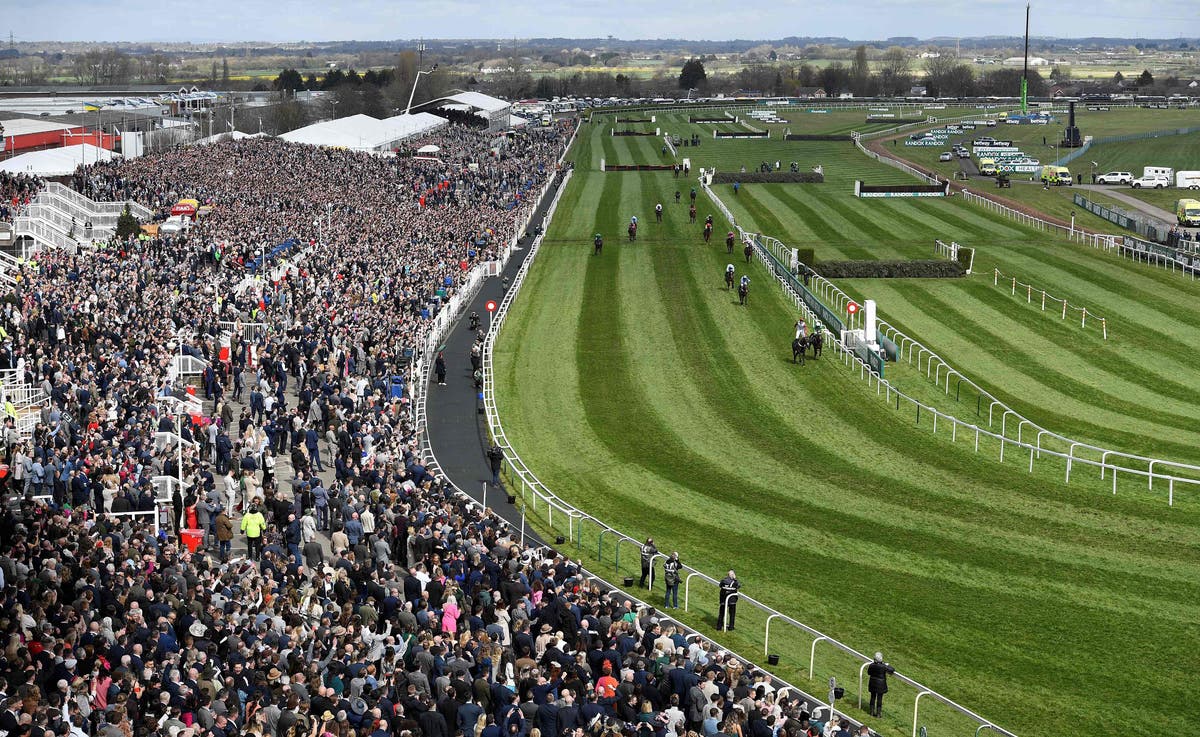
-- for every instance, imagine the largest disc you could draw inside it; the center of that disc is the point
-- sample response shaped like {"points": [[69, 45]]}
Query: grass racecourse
{"points": [[637, 389]]}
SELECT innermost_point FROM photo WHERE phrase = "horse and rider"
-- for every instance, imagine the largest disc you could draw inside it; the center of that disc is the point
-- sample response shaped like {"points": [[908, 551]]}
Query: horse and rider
{"points": [[707, 232], [633, 229], [729, 238], [747, 251], [744, 289], [598, 244], [801, 344], [729, 277]]}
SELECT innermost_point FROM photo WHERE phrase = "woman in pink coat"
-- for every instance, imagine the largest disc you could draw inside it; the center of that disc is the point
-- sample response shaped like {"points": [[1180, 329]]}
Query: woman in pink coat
{"points": [[450, 616]]}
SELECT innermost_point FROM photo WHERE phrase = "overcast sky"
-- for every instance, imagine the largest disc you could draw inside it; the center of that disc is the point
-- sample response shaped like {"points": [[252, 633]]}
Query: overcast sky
{"points": [[336, 20]]}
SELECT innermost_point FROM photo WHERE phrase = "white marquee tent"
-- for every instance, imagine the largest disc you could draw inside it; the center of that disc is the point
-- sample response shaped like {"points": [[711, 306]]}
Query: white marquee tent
{"points": [[56, 162], [364, 133]]}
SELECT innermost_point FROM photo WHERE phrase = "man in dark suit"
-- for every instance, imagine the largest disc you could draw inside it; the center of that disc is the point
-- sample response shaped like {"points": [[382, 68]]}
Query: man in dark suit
{"points": [[728, 604], [878, 672]]}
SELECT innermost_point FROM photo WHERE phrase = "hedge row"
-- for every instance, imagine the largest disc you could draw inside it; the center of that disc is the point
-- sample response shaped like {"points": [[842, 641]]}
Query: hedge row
{"points": [[747, 134], [816, 137], [710, 120], [775, 177], [897, 121], [634, 133], [635, 120], [919, 269]]}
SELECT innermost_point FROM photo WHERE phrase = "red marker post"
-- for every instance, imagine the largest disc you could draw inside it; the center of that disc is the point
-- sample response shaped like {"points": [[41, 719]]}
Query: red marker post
{"points": [[490, 306], [852, 310]]}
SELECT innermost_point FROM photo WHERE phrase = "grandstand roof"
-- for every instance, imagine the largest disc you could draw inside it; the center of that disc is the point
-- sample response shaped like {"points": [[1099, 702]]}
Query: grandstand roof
{"points": [[26, 126], [480, 101], [364, 133], [56, 162]]}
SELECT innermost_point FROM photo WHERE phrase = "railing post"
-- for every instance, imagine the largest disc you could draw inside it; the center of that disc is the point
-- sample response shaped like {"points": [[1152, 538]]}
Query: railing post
{"points": [[916, 706], [860, 680], [767, 634], [812, 655]]}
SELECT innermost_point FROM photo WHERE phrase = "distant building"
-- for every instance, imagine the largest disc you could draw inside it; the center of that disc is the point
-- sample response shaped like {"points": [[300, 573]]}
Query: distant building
{"points": [[929, 55], [1034, 61], [917, 91], [812, 93]]}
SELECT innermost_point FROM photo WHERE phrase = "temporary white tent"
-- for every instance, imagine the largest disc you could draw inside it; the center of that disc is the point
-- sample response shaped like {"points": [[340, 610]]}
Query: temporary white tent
{"points": [[56, 162], [430, 149], [364, 133]]}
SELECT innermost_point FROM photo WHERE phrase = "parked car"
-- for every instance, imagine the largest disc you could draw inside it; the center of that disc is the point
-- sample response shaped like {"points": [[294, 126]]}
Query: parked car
{"points": [[946, 156], [1150, 183], [1115, 177]]}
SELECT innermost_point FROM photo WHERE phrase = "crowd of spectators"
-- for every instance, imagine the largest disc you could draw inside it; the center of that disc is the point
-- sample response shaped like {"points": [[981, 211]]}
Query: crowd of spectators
{"points": [[422, 616], [16, 191]]}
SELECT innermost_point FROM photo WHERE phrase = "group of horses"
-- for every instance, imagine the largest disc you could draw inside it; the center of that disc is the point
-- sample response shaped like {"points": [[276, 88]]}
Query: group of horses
{"points": [[800, 346]]}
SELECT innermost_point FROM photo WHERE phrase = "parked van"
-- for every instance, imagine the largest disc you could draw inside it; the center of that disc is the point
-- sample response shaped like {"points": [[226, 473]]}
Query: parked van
{"points": [[1187, 179], [1056, 175], [1188, 213], [987, 167]]}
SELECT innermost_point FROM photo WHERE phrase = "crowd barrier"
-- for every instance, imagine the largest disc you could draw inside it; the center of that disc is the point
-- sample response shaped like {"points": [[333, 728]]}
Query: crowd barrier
{"points": [[1031, 290]]}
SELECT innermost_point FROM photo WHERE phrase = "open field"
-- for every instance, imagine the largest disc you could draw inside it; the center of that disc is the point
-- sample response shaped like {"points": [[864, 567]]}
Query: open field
{"points": [[639, 391]]}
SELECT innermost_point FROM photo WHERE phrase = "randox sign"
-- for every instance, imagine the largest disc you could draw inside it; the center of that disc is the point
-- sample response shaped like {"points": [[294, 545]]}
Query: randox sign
{"points": [[926, 142], [991, 150]]}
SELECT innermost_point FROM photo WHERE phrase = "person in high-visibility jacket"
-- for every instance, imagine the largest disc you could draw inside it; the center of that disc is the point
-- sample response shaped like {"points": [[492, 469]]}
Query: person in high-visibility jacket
{"points": [[253, 525]]}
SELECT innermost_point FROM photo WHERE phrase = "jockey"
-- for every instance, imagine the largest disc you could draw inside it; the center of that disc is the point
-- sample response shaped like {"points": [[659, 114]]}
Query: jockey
{"points": [[746, 281], [801, 329], [729, 270], [633, 221]]}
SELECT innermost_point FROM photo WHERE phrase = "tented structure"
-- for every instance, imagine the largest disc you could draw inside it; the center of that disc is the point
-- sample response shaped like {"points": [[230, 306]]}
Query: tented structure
{"points": [[364, 133], [56, 162], [492, 109]]}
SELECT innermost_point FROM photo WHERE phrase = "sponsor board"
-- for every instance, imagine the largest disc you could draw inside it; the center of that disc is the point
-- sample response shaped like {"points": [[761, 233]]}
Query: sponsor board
{"points": [[1017, 168], [818, 111], [926, 142], [991, 150]]}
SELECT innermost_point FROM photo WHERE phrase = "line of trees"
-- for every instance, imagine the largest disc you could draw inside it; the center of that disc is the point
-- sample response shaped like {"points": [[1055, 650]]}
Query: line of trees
{"points": [[892, 75]]}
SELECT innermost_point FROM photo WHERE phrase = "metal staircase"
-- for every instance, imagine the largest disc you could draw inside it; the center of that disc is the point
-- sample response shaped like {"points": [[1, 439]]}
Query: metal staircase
{"points": [[57, 218]]}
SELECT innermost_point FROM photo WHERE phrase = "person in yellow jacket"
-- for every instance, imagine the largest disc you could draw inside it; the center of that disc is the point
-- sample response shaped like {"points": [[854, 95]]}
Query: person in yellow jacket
{"points": [[253, 525]]}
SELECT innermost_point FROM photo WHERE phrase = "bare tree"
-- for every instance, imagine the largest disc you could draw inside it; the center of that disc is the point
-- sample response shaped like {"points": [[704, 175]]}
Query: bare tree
{"points": [[894, 75]]}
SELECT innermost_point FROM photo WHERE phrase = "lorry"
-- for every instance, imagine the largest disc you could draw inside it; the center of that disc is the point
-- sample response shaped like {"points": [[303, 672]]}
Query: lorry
{"points": [[1187, 212], [987, 167], [1187, 179], [1158, 172], [1056, 175]]}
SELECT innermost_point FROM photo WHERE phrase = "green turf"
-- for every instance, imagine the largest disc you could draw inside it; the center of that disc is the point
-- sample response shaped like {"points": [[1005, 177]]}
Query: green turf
{"points": [[637, 390]]}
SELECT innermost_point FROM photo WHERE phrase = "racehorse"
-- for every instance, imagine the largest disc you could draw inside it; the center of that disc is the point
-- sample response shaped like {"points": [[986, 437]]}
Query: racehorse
{"points": [[707, 232], [632, 232], [743, 292], [747, 251], [799, 346], [729, 280], [816, 340]]}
